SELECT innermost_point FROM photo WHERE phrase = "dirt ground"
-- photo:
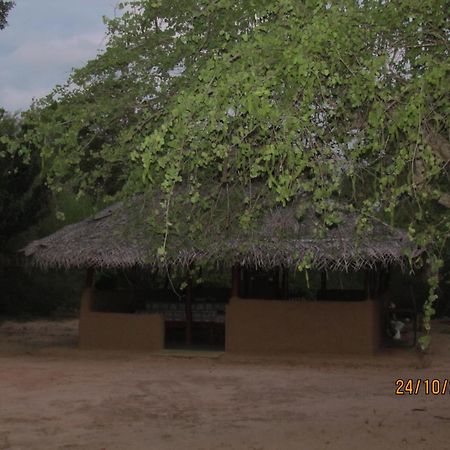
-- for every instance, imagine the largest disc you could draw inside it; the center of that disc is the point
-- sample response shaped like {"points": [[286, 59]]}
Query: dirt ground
{"points": [[54, 396]]}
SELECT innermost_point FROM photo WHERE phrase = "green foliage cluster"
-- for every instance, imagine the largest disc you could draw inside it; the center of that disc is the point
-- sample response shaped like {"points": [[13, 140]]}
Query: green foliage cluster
{"points": [[23, 196], [88, 128], [27, 211], [339, 101]]}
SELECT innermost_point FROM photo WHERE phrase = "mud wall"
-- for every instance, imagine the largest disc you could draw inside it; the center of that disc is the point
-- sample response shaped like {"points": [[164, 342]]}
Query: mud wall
{"points": [[118, 331], [263, 326]]}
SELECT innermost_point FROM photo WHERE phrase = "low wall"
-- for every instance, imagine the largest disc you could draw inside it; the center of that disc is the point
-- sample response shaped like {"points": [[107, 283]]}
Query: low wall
{"points": [[118, 331], [264, 326]]}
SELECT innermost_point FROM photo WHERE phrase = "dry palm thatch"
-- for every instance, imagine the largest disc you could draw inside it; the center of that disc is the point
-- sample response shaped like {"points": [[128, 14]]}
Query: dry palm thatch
{"points": [[130, 234]]}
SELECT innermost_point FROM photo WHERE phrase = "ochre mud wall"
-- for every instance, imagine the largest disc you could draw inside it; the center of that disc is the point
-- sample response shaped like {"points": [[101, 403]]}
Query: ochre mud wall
{"points": [[264, 326], [118, 331]]}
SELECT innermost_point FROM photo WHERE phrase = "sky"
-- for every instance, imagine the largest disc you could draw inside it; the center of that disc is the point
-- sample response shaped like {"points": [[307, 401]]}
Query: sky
{"points": [[43, 41]]}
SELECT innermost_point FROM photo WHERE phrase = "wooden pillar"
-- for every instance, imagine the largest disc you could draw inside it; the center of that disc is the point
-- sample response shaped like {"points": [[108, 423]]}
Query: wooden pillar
{"points": [[89, 277], [236, 280], [372, 282], [87, 295], [367, 283], [246, 282], [323, 281], [188, 312], [285, 282], [385, 279], [276, 284]]}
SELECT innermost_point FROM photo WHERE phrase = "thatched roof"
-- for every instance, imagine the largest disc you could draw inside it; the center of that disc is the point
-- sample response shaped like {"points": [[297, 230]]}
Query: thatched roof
{"points": [[124, 235]]}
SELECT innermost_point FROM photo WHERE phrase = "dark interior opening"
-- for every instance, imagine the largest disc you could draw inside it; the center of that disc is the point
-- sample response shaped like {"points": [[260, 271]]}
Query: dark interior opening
{"points": [[194, 312], [194, 317]]}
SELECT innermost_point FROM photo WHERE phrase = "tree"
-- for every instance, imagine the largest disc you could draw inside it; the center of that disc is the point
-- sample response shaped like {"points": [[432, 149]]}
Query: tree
{"points": [[339, 101], [336, 101], [5, 7], [23, 196], [87, 128]]}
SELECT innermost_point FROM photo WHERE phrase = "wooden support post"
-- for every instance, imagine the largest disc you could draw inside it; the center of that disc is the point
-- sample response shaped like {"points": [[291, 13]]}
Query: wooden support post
{"points": [[188, 312], [323, 281], [89, 277], [87, 296], [377, 282], [246, 282], [385, 279], [285, 282], [277, 284], [367, 283], [372, 283], [236, 280]]}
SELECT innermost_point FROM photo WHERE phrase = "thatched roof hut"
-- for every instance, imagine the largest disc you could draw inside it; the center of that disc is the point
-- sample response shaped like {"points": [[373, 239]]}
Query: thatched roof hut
{"points": [[129, 234]]}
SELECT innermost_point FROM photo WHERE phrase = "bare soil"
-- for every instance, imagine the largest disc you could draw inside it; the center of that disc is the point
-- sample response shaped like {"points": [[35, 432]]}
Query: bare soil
{"points": [[55, 396]]}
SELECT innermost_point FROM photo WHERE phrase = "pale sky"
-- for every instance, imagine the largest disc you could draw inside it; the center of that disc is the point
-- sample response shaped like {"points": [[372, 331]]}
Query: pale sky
{"points": [[43, 41]]}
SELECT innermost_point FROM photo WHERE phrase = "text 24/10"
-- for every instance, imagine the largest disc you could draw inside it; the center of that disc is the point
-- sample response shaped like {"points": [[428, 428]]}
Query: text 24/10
{"points": [[426, 386]]}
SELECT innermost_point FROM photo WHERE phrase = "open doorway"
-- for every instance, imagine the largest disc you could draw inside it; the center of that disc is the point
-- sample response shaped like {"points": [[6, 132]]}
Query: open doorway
{"points": [[193, 321]]}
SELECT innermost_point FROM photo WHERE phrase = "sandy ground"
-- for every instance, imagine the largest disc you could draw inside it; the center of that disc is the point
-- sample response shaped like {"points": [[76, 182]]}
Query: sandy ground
{"points": [[54, 396]]}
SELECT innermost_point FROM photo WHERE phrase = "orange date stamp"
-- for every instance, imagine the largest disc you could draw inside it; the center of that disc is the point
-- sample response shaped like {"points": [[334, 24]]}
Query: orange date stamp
{"points": [[433, 386]]}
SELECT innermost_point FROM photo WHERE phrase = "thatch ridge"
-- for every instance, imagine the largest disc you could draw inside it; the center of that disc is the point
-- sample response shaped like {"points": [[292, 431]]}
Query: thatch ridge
{"points": [[120, 237]]}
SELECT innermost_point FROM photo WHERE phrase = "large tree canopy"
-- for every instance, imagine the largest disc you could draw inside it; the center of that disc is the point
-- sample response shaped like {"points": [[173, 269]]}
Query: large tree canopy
{"points": [[338, 101]]}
